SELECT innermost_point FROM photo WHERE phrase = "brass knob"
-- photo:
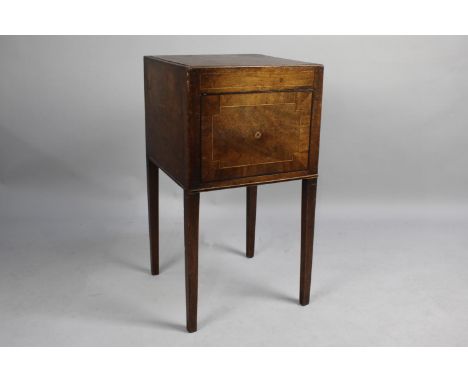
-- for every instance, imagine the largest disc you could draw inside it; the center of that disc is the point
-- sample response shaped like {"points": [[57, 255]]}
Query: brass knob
{"points": [[258, 135]]}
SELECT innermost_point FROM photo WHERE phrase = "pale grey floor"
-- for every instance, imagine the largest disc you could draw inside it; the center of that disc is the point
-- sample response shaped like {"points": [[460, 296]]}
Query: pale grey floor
{"points": [[383, 275]]}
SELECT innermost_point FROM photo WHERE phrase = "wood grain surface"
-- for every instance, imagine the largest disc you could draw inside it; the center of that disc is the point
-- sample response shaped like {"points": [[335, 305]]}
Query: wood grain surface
{"points": [[254, 134]]}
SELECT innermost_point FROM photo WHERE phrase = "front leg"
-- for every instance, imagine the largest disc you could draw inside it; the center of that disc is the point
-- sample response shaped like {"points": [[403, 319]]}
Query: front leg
{"points": [[152, 175], [309, 188], [191, 214], [251, 217]]}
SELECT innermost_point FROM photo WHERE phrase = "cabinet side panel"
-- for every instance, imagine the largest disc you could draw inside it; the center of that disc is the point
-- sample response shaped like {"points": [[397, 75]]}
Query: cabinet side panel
{"points": [[166, 117], [193, 131], [315, 121]]}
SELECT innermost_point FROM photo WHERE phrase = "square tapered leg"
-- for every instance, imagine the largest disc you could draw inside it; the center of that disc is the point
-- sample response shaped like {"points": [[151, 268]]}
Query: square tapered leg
{"points": [[153, 214], [309, 188], [191, 214], [250, 220]]}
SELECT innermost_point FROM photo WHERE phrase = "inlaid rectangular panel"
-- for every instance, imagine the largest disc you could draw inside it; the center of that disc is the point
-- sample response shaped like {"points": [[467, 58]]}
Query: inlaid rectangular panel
{"points": [[254, 134]]}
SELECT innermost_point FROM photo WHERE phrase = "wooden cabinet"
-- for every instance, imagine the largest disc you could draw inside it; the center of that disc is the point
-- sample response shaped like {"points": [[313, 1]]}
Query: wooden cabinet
{"points": [[221, 121]]}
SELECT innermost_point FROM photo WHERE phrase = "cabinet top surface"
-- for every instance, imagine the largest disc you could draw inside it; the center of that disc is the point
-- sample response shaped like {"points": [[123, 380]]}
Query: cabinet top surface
{"points": [[229, 60]]}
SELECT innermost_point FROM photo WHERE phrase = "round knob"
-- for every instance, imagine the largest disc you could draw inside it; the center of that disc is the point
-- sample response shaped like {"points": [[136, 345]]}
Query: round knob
{"points": [[258, 135]]}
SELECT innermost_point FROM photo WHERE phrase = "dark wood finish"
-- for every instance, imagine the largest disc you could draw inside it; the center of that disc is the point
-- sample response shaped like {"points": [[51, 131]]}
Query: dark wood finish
{"points": [[228, 80], [224, 121], [152, 175], [177, 88], [254, 134], [229, 60], [309, 188], [166, 95], [191, 214], [194, 135], [315, 122], [251, 215]]}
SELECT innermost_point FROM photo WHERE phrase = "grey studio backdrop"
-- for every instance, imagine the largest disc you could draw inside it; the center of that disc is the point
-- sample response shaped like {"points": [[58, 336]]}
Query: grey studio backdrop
{"points": [[390, 260]]}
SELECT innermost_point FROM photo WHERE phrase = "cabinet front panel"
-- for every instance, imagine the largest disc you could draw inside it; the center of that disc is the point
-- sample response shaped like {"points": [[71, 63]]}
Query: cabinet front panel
{"points": [[223, 80], [254, 134]]}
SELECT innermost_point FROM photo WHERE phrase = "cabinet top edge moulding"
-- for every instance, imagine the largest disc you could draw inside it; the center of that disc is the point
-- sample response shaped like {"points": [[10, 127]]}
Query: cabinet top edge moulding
{"points": [[229, 60]]}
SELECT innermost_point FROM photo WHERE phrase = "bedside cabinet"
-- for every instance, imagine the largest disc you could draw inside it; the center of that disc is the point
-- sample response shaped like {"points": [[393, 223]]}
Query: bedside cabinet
{"points": [[223, 121]]}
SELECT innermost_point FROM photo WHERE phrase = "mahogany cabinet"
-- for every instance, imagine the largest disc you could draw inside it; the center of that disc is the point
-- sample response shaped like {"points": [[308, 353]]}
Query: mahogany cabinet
{"points": [[222, 121]]}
